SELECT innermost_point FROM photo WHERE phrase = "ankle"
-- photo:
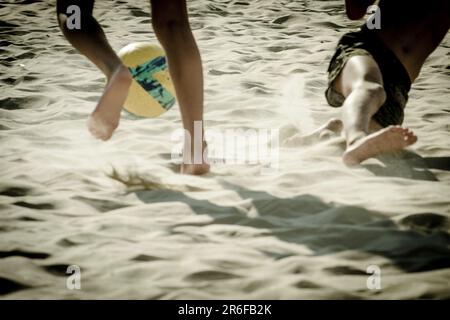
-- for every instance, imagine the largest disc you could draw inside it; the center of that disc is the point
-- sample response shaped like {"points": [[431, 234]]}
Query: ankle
{"points": [[352, 137], [196, 155]]}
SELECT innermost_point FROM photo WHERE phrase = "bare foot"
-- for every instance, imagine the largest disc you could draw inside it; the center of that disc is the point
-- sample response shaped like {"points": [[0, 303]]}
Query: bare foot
{"points": [[105, 118], [387, 140], [197, 168], [332, 127]]}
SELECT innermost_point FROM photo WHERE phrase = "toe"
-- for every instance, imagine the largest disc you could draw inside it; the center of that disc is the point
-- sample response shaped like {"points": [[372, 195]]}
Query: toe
{"points": [[334, 124], [410, 138], [413, 139]]}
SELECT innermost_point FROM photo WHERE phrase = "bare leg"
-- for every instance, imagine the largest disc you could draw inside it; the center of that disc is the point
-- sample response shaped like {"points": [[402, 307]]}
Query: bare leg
{"points": [[91, 42], [171, 25], [361, 83]]}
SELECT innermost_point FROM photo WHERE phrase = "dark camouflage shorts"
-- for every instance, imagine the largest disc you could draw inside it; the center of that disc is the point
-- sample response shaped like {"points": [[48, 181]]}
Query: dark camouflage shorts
{"points": [[395, 77]]}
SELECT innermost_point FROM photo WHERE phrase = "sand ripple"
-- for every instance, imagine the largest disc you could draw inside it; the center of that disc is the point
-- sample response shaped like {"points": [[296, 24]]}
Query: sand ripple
{"points": [[137, 229]]}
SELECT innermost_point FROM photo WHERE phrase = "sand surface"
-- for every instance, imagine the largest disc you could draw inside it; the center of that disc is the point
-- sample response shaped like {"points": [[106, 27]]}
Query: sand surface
{"points": [[138, 229]]}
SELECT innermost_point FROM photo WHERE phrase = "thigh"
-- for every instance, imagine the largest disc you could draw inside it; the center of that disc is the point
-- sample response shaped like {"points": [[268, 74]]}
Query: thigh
{"points": [[358, 69]]}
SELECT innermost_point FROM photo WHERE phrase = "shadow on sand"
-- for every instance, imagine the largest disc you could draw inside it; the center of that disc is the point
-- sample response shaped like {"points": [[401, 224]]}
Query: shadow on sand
{"points": [[418, 242], [409, 165]]}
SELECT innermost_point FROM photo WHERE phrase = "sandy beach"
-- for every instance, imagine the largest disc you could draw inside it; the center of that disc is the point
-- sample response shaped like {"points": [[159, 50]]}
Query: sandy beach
{"points": [[138, 229]]}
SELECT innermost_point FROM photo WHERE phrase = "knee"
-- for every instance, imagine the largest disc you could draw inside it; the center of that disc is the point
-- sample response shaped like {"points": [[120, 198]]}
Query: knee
{"points": [[374, 90], [61, 11], [75, 15], [66, 8], [167, 28]]}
